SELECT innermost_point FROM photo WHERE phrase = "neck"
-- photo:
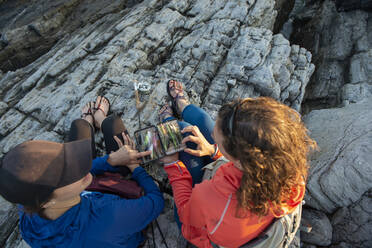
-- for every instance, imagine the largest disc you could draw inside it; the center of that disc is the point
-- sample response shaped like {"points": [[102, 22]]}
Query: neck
{"points": [[60, 207]]}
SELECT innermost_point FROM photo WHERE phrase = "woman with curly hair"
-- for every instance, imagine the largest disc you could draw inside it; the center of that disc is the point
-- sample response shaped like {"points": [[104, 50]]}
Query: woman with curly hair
{"points": [[266, 144]]}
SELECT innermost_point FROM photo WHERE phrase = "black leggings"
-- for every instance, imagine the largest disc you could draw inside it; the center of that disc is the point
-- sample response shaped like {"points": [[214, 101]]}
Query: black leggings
{"points": [[112, 125]]}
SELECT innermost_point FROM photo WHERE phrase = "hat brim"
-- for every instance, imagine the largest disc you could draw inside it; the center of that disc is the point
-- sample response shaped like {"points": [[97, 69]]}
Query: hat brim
{"points": [[78, 161]]}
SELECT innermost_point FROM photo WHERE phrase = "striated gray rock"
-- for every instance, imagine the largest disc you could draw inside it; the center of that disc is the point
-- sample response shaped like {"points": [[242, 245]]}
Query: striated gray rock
{"points": [[220, 49], [340, 172], [15, 240], [353, 225], [167, 226], [10, 120], [206, 44], [340, 43], [8, 220], [30, 30], [321, 233], [3, 107]]}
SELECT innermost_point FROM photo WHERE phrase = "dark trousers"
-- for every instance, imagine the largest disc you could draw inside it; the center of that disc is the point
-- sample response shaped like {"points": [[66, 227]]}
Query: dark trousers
{"points": [[112, 125]]}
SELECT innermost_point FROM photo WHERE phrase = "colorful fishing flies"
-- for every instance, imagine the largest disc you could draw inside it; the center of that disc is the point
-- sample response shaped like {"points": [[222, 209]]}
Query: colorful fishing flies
{"points": [[162, 139]]}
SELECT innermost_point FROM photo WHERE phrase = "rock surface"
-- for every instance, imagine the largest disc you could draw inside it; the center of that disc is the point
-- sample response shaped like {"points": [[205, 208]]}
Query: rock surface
{"points": [[341, 171], [8, 220], [321, 233], [352, 226], [341, 44], [28, 31], [220, 49], [205, 44]]}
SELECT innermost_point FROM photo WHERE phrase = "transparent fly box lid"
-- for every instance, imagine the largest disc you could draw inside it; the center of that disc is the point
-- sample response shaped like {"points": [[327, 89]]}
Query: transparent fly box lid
{"points": [[162, 139]]}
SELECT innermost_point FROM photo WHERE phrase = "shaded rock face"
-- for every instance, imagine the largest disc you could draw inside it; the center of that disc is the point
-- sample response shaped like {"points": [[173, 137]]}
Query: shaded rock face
{"points": [[341, 45], [321, 233], [29, 29], [340, 171], [352, 225], [8, 220]]}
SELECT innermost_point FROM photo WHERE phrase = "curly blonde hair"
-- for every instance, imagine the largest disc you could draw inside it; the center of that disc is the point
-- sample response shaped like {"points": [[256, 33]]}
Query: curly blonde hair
{"points": [[271, 143]]}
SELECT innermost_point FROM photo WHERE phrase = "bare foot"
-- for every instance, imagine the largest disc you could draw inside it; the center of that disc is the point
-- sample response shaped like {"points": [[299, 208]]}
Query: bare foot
{"points": [[87, 112], [176, 91], [102, 107]]}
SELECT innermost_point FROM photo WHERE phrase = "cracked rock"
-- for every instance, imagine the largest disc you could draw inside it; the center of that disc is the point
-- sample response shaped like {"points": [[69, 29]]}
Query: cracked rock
{"points": [[321, 232], [340, 43], [352, 225], [8, 219], [340, 171], [219, 49]]}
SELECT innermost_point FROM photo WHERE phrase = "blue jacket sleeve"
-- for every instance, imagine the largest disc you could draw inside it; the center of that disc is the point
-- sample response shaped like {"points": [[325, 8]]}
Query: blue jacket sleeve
{"points": [[138, 213], [100, 166]]}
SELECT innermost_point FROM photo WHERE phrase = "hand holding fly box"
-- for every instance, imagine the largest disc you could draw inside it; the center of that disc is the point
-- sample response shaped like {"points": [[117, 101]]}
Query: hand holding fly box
{"points": [[162, 140]]}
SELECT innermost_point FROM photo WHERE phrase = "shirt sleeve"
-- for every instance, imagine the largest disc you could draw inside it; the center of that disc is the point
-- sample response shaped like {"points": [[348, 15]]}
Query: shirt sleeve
{"points": [[100, 165], [138, 213]]}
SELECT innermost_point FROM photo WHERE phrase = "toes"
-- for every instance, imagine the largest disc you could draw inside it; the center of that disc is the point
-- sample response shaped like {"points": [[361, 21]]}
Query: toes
{"points": [[91, 106], [85, 108], [98, 102]]}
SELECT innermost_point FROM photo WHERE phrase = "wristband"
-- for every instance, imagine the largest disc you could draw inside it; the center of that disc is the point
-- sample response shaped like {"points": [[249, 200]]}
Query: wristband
{"points": [[215, 150]]}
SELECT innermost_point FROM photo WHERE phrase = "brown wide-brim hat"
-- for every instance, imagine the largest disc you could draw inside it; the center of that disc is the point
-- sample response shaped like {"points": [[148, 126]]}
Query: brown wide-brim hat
{"points": [[42, 164]]}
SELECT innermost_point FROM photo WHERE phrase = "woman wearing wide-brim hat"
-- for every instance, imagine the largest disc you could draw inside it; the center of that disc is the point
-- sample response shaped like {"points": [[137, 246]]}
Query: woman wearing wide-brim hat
{"points": [[48, 181]]}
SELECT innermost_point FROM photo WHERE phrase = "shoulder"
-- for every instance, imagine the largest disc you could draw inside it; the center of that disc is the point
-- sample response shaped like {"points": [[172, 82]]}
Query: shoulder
{"points": [[99, 200]]}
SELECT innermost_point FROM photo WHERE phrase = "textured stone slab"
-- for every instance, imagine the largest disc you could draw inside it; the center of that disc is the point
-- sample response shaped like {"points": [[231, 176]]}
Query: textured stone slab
{"points": [[321, 232], [340, 171], [353, 225]]}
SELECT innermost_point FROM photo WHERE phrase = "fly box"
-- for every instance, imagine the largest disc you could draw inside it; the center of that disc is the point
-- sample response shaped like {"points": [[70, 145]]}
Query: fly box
{"points": [[162, 139]]}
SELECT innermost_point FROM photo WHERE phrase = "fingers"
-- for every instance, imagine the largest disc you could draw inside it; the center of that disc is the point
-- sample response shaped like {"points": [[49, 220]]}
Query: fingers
{"points": [[143, 154], [131, 142], [118, 141], [192, 152], [191, 138], [192, 129], [126, 139]]}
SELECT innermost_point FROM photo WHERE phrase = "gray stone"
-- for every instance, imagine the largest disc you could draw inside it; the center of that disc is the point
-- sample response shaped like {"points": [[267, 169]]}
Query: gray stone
{"points": [[341, 245], [305, 245], [340, 171], [353, 224], [8, 220], [167, 225], [219, 49], [353, 93], [361, 68], [339, 43], [50, 136], [3, 108], [26, 131], [15, 240], [10, 120], [321, 232]]}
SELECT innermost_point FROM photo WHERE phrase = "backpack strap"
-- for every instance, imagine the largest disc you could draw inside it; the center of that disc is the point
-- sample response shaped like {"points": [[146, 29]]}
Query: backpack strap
{"points": [[280, 233]]}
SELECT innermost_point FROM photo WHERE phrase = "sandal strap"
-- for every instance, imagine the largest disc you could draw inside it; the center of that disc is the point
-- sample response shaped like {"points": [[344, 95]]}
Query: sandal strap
{"points": [[179, 97], [166, 111], [100, 107], [103, 111]]}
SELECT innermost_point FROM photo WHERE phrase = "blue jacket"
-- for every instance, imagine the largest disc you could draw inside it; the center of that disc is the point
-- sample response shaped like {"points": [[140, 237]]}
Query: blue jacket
{"points": [[100, 220]]}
